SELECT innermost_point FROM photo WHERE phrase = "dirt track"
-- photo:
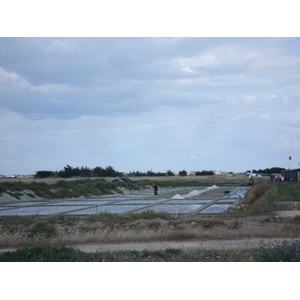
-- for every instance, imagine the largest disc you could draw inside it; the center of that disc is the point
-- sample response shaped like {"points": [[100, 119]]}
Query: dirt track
{"points": [[214, 244], [207, 245]]}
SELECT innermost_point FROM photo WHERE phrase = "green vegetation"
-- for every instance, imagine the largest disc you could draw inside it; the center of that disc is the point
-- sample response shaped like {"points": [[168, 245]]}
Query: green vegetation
{"points": [[286, 251], [69, 171], [86, 187], [68, 189], [274, 170], [183, 173], [16, 195], [42, 228], [261, 197], [50, 253], [45, 227], [204, 173]]}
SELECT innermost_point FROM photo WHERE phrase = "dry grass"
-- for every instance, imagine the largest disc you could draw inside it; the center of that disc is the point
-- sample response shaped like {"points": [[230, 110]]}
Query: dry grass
{"points": [[193, 228]]}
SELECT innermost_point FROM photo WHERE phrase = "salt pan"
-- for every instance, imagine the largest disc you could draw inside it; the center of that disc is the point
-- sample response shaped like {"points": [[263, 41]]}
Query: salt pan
{"points": [[177, 196], [193, 193]]}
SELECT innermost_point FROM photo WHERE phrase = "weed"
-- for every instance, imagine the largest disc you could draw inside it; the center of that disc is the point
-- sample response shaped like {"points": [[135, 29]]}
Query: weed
{"points": [[173, 251], [275, 252], [296, 219], [291, 229], [30, 195], [42, 228], [50, 253], [15, 195]]}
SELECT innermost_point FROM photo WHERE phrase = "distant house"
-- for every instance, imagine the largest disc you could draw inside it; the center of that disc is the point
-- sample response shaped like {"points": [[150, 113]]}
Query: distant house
{"points": [[217, 173], [292, 175], [191, 173]]}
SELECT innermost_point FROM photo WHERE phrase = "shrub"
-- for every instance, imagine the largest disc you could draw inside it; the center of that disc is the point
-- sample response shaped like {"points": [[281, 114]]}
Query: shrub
{"points": [[183, 173], [42, 228], [45, 253], [287, 251]]}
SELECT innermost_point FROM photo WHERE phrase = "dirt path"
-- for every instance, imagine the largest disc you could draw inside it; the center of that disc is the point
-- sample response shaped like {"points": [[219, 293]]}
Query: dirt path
{"points": [[213, 244], [152, 246]]}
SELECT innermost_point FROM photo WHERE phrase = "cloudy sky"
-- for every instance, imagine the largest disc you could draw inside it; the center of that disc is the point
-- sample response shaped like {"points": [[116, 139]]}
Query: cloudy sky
{"points": [[227, 104]]}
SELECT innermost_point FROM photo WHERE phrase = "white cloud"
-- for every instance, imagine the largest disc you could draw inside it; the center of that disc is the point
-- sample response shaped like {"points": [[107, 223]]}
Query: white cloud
{"points": [[12, 81], [187, 69], [193, 157], [265, 117], [197, 62], [148, 102]]}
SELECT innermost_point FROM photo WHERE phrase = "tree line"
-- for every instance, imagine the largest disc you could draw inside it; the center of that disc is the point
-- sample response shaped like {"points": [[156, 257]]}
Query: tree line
{"points": [[273, 170], [68, 172]]}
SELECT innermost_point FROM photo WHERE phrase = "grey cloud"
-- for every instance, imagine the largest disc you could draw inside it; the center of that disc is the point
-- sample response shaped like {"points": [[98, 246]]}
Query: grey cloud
{"points": [[94, 96]]}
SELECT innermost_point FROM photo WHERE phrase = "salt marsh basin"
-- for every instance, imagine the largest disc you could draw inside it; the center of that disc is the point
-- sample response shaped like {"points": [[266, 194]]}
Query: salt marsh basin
{"points": [[178, 201]]}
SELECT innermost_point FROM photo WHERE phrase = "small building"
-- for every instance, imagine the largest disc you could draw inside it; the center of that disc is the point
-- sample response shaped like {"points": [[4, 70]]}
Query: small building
{"points": [[292, 175]]}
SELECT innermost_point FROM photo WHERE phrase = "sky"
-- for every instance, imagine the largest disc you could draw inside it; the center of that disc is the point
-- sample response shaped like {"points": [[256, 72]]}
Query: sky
{"points": [[226, 104], [140, 102]]}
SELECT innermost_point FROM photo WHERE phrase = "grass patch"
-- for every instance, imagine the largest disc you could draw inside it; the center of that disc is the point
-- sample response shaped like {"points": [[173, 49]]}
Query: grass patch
{"points": [[15, 195], [261, 197], [69, 189], [49, 253], [286, 251], [42, 228], [148, 214]]}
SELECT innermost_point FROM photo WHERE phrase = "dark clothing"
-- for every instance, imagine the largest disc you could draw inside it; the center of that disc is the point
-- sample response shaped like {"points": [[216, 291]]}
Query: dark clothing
{"points": [[155, 189]]}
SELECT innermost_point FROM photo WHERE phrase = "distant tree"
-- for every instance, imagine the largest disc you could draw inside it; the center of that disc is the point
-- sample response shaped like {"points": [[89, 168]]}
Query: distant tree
{"points": [[183, 173], [136, 173], [109, 171], [203, 173], [170, 173], [69, 171], [44, 174], [98, 171], [276, 170], [85, 172], [150, 173]]}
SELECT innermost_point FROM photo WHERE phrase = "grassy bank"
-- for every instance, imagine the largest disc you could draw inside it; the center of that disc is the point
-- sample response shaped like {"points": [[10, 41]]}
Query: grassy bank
{"points": [[67, 188], [261, 197]]}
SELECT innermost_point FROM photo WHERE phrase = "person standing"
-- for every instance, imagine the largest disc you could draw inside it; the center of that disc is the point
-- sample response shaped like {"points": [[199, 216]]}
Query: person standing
{"points": [[155, 186]]}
